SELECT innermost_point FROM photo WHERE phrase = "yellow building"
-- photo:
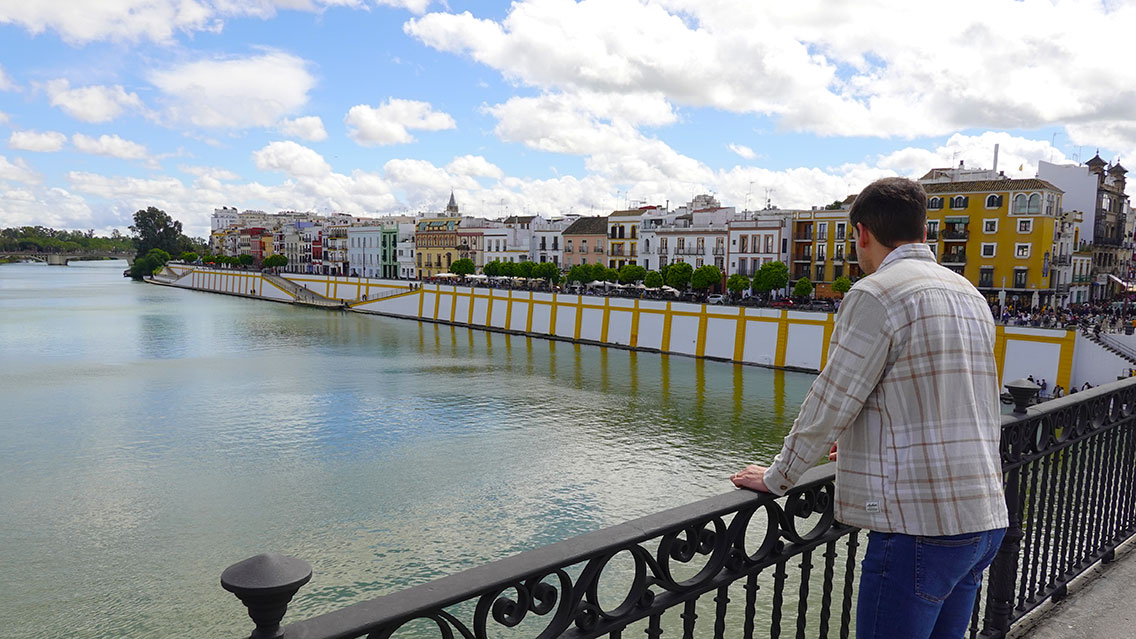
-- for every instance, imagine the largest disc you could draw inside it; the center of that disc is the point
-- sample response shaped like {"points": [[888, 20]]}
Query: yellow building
{"points": [[623, 237], [436, 241], [822, 248], [998, 233]]}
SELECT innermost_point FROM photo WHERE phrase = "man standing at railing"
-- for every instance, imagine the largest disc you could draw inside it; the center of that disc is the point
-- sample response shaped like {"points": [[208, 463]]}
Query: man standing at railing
{"points": [[910, 395]]}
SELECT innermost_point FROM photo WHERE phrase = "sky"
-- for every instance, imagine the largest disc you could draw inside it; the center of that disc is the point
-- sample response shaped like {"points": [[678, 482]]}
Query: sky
{"points": [[549, 107]]}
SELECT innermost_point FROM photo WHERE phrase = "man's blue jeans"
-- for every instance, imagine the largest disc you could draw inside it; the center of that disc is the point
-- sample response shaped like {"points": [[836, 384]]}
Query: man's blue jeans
{"points": [[921, 587]]}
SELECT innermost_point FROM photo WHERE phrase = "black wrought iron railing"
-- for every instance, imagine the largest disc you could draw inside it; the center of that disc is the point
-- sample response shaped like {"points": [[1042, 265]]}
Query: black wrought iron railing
{"points": [[751, 565]]}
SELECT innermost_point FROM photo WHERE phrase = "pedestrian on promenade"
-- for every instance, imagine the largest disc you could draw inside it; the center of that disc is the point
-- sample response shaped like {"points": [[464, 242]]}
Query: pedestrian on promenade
{"points": [[910, 395]]}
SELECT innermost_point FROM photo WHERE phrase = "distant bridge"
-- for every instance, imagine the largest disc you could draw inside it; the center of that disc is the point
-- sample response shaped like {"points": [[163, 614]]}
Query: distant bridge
{"points": [[61, 259]]}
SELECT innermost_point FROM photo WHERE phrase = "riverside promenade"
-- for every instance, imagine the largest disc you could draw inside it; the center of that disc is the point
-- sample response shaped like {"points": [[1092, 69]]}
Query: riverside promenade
{"points": [[1099, 605]]}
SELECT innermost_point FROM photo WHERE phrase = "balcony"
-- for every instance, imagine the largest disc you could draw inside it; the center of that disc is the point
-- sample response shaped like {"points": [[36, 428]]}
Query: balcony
{"points": [[568, 249], [955, 236], [804, 257], [958, 257], [1060, 260], [803, 237], [719, 250], [598, 249], [933, 235], [688, 250]]}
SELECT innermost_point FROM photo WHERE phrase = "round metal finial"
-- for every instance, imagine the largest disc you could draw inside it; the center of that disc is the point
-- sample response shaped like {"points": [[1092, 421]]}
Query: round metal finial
{"points": [[1022, 390], [265, 584]]}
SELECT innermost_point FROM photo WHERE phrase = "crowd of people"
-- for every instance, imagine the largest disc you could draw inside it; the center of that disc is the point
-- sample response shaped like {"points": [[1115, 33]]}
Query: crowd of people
{"points": [[1098, 317]]}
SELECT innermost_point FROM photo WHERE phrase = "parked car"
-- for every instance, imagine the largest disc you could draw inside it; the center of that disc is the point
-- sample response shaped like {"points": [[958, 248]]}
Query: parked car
{"points": [[782, 303], [716, 299]]}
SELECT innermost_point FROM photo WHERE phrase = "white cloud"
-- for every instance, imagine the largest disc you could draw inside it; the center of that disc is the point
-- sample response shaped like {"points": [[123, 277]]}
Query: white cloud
{"points": [[238, 92], [110, 146], [865, 68], [6, 83], [17, 171], [156, 20], [216, 173], [45, 142], [417, 7], [742, 150], [308, 128], [3, 118], [474, 166], [292, 159], [390, 122], [51, 207], [92, 103]]}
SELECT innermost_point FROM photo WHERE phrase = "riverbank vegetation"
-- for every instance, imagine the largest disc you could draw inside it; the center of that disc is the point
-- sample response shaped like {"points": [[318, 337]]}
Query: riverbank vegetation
{"points": [[41, 239]]}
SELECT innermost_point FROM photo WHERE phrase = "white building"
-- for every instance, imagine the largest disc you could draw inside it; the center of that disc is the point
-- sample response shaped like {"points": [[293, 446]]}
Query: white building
{"points": [[1080, 187], [505, 244], [757, 238], [365, 251], [697, 238], [547, 243], [223, 218]]}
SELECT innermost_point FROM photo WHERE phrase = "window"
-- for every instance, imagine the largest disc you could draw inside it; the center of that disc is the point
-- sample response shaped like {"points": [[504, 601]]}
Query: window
{"points": [[819, 273], [993, 201], [989, 226], [959, 202], [1022, 250], [986, 277], [935, 203], [840, 231], [932, 230], [745, 244], [839, 252], [1020, 277], [768, 243], [822, 230], [820, 249], [1034, 203], [988, 249], [1025, 226]]}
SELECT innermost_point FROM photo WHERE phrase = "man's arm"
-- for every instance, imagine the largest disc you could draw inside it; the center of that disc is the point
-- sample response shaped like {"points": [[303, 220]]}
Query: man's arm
{"points": [[857, 355]]}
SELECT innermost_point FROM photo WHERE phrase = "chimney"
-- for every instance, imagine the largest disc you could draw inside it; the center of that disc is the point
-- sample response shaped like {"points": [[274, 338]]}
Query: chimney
{"points": [[995, 158]]}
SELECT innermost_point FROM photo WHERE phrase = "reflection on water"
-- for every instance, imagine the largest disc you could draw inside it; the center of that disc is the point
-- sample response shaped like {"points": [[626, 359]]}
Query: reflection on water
{"points": [[153, 436]]}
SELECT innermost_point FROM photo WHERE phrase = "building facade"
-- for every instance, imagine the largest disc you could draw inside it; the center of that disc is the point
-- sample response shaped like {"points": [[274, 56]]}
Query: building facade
{"points": [[585, 241]]}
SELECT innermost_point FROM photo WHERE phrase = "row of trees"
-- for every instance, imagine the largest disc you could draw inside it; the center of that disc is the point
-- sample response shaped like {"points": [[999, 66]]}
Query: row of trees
{"points": [[41, 239], [770, 277]]}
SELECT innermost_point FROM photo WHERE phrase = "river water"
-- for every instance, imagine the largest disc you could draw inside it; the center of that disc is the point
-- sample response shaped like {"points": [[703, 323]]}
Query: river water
{"points": [[150, 437]]}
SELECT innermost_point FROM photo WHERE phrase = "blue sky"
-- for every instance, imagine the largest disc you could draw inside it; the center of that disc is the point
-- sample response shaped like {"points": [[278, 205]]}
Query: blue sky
{"points": [[538, 106]]}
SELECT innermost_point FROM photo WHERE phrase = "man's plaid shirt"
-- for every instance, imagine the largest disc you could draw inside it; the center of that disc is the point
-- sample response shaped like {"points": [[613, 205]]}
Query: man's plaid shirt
{"points": [[910, 394]]}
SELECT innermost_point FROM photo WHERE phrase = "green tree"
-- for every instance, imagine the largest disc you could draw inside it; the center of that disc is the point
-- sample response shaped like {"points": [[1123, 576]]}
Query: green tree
{"points": [[464, 266], [653, 279], [611, 275], [631, 273], [153, 228], [841, 284], [706, 276], [245, 259], [678, 275], [492, 269], [803, 287], [189, 257], [524, 269], [547, 271], [835, 206], [771, 276], [579, 273], [737, 283], [158, 255], [507, 269], [599, 272], [275, 260], [143, 266]]}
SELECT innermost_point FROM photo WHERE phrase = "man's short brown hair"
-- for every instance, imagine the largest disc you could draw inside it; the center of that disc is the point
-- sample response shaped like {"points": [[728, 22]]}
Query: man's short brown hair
{"points": [[893, 209]]}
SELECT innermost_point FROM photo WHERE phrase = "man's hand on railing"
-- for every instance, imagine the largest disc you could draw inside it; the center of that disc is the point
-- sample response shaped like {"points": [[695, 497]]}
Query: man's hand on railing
{"points": [[752, 477], [832, 453]]}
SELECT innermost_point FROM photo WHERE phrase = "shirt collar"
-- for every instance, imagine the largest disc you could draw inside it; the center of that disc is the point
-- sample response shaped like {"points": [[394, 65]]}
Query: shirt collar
{"points": [[914, 250]]}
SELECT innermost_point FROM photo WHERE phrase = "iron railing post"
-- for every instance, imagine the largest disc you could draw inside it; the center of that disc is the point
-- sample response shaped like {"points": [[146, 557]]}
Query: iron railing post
{"points": [[265, 584], [1004, 570]]}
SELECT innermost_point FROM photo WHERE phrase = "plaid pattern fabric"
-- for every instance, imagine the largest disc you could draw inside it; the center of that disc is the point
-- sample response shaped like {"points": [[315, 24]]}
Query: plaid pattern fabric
{"points": [[910, 394]]}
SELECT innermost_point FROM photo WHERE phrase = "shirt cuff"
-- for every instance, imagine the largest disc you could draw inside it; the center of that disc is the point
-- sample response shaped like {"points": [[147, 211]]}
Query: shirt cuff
{"points": [[776, 481]]}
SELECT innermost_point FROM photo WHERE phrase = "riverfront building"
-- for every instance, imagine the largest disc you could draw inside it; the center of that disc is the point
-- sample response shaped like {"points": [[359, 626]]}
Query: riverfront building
{"points": [[584, 241]]}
